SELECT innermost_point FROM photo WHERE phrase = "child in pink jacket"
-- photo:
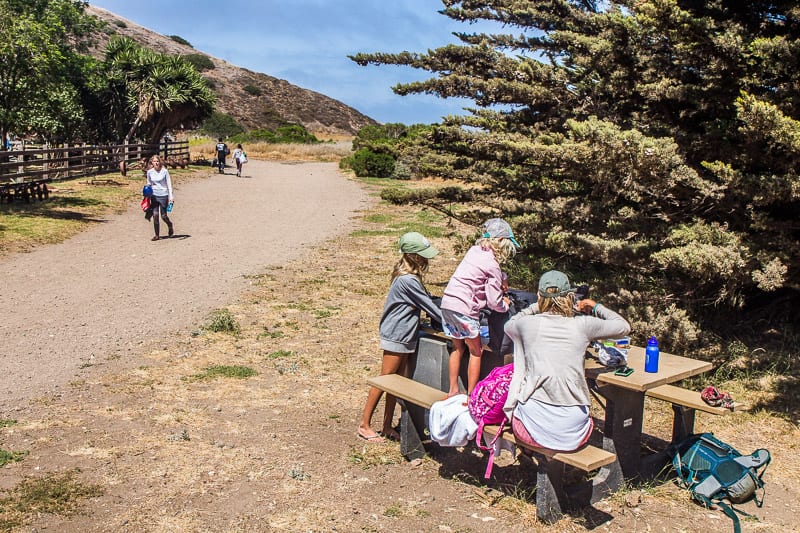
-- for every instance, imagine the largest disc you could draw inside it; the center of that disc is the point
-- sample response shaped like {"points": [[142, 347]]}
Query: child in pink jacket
{"points": [[477, 283]]}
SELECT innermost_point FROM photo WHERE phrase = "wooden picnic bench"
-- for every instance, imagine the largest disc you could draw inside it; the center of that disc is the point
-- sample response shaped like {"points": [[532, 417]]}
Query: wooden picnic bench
{"points": [[685, 403], [552, 496]]}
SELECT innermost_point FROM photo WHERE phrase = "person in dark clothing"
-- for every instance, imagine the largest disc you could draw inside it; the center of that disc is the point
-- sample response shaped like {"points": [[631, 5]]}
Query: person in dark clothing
{"points": [[222, 151]]}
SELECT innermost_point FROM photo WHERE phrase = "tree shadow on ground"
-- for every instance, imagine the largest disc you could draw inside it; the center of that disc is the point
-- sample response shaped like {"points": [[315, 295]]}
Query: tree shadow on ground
{"points": [[58, 209]]}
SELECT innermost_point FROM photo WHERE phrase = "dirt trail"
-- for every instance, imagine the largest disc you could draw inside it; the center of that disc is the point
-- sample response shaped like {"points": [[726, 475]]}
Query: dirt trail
{"points": [[105, 291]]}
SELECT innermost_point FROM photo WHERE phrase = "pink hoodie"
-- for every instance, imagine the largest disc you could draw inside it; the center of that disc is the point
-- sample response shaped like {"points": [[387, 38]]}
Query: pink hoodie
{"points": [[476, 284]]}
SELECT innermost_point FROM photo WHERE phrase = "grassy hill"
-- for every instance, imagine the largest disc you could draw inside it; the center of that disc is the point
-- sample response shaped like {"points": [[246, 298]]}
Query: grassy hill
{"points": [[254, 99]]}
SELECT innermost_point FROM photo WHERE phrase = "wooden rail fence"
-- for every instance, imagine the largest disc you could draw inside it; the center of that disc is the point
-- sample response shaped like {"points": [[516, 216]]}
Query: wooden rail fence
{"points": [[24, 174]]}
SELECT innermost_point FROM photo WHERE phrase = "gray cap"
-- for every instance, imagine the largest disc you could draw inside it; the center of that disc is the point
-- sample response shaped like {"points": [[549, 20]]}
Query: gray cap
{"points": [[554, 279], [499, 228]]}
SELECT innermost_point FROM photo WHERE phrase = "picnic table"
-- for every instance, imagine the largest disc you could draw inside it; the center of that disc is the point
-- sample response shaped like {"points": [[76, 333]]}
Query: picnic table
{"points": [[625, 405], [624, 396]]}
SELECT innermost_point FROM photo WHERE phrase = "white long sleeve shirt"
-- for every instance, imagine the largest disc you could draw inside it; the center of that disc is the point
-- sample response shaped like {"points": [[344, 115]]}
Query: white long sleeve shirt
{"points": [[160, 182]]}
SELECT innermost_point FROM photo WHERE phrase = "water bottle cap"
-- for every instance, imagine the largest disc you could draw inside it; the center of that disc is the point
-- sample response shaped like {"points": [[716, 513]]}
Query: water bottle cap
{"points": [[652, 341]]}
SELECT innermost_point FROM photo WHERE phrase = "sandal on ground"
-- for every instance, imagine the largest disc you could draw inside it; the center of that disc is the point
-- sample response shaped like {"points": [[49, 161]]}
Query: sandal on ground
{"points": [[369, 438], [154, 238]]}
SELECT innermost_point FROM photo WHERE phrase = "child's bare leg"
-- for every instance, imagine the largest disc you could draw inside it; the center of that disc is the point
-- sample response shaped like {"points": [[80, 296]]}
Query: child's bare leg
{"points": [[391, 401], [390, 364], [454, 365], [364, 428], [474, 366]]}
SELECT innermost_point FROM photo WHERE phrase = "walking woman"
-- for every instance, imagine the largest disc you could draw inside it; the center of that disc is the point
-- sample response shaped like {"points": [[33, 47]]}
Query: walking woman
{"points": [[161, 201]]}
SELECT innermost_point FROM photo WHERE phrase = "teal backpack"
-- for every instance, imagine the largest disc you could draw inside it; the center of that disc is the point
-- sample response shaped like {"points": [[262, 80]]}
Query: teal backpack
{"points": [[714, 471]]}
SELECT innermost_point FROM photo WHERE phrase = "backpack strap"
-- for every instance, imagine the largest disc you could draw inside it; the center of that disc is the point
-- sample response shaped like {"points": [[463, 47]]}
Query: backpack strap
{"points": [[492, 448], [729, 511]]}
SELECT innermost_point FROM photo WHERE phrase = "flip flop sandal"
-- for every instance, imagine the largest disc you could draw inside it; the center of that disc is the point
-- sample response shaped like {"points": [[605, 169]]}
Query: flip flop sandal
{"points": [[370, 438]]}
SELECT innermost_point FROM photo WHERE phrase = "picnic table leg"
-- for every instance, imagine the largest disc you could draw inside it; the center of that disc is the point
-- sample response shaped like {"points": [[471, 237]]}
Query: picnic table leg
{"points": [[682, 422], [623, 427], [428, 366], [550, 497], [412, 428]]}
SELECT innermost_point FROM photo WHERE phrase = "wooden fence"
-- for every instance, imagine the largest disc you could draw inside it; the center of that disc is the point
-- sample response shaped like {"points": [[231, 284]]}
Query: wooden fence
{"points": [[53, 164]]}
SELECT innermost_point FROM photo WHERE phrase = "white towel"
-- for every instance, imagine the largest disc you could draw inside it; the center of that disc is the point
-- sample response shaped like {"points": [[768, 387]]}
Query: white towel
{"points": [[450, 423]]}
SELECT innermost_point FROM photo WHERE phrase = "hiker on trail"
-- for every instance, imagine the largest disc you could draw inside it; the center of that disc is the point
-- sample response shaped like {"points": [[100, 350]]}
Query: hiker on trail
{"points": [[240, 157], [222, 151], [548, 399], [477, 283], [399, 326], [158, 178]]}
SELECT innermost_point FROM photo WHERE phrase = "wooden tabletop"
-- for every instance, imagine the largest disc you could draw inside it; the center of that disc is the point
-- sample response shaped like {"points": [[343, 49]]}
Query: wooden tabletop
{"points": [[671, 368]]}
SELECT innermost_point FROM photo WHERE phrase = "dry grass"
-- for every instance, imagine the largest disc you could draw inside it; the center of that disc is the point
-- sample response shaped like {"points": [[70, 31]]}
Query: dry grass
{"points": [[325, 152], [277, 450], [73, 206]]}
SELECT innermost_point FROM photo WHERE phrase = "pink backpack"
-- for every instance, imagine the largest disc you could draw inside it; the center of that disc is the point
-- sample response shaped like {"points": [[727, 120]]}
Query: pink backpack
{"points": [[486, 406]]}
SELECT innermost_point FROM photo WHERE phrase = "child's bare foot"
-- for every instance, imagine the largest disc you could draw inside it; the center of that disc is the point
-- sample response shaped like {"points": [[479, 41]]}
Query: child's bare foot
{"points": [[369, 435]]}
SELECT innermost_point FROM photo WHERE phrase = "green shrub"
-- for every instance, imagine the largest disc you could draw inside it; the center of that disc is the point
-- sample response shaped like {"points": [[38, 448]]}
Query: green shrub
{"points": [[366, 163], [199, 61], [252, 89], [120, 23], [221, 125], [10, 457], [401, 171], [224, 371], [294, 133], [290, 133], [180, 40], [223, 321]]}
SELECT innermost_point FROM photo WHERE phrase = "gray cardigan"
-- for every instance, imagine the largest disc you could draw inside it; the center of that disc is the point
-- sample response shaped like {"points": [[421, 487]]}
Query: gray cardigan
{"points": [[549, 353], [399, 329]]}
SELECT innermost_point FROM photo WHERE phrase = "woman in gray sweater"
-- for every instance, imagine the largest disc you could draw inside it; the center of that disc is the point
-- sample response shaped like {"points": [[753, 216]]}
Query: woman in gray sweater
{"points": [[548, 399], [399, 326]]}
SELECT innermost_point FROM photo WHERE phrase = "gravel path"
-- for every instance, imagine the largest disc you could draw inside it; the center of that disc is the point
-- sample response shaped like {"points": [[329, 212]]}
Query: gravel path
{"points": [[104, 292]]}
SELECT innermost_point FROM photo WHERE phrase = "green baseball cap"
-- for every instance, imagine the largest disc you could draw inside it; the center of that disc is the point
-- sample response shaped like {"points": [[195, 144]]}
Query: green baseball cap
{"points": [[414, 243], [554, 279]]}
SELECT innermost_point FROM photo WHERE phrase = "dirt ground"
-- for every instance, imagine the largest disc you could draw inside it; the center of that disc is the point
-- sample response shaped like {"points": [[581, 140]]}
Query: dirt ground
{"points": [[105, 349]]}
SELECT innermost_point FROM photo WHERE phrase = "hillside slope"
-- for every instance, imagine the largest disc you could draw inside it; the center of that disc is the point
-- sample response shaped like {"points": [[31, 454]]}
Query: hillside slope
{"points": [[279, 102]]}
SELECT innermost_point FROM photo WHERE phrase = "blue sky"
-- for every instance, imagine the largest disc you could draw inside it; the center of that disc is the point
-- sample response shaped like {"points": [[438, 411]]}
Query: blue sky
{"points": [[306, 42]]}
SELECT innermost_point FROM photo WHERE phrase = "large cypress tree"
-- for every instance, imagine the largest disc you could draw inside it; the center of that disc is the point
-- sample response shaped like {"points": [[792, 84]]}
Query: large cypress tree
{"points": [[648, 144]]}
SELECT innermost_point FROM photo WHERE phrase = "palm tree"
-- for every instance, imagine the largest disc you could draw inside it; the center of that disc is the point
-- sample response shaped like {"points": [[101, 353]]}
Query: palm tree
{"points": [[152, 91]]}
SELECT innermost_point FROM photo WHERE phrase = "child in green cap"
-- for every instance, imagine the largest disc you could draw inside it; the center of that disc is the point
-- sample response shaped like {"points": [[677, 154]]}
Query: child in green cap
{"points": [[399, 326]]}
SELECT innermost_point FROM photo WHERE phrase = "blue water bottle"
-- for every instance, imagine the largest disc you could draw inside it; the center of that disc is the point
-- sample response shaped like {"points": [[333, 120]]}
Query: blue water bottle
{"points": [[651, 355]]}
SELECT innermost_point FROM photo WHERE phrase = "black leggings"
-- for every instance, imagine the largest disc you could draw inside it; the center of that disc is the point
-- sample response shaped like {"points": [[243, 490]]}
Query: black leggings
{"points": [[159, 204]]}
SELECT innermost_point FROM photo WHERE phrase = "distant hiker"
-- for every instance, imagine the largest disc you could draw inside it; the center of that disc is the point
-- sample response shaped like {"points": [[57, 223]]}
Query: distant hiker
{"points": [[222, 151], [240, 158], [158, 179]]}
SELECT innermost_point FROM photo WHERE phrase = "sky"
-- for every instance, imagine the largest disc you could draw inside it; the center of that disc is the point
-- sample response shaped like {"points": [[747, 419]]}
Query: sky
{"points": [[306, 42]]}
